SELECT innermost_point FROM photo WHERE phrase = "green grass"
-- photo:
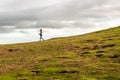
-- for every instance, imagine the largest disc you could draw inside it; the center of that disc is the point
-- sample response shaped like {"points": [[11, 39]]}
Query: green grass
{"points": [[93, 56]]}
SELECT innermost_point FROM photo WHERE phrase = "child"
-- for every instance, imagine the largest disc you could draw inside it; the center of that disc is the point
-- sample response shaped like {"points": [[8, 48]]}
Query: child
{"points": [[41, 38]]}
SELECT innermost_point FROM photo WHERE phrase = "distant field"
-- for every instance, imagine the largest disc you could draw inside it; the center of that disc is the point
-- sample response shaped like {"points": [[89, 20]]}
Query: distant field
{"points": [[93, 56]]}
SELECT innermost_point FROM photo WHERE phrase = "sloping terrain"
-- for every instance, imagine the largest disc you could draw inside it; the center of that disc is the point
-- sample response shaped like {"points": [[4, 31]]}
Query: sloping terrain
{"points": [[93, 56]]}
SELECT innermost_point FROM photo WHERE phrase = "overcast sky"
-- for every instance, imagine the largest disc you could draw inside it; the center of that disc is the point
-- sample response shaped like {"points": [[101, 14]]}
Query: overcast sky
{"points": [[20, 20]]}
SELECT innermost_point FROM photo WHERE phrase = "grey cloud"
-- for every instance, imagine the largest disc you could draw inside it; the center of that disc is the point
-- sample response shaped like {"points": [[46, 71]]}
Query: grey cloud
{"points": [[4, 29], [58, 15], [65, 24]]}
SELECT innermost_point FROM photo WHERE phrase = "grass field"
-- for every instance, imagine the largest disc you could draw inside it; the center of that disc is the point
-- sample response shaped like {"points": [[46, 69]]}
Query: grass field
{"points": [[93, 56]]}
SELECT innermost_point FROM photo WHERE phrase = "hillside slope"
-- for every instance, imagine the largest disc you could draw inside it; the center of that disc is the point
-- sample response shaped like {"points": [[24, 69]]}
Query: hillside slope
{"points": [[93, 56]]}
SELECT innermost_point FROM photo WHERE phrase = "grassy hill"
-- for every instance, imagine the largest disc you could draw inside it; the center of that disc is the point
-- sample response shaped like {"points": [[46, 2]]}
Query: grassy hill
{"points": [[93, 56]]}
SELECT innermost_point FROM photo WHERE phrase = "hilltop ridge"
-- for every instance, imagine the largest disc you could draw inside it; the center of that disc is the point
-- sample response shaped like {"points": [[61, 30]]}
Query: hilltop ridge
{"points": [[92, 56]]}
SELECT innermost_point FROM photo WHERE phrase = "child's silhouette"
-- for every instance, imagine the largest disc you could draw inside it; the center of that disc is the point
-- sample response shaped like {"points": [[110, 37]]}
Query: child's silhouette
{"points": [[41, 37]]}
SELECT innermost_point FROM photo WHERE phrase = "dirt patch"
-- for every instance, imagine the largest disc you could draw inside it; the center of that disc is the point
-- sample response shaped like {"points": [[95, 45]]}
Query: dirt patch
{"points": [[31, 50], [110, 39], [95, 47], [7, 68], [2, 52], [114, 56], [91, 47], [15, 50], [109, 45], [100, 51], [99, 55], [44, 60], [85, 53], [37, 71]]}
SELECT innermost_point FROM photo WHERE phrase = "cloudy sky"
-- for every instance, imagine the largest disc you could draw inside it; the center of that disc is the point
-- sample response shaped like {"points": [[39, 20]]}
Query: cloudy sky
{"points": [[20, 20]]}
